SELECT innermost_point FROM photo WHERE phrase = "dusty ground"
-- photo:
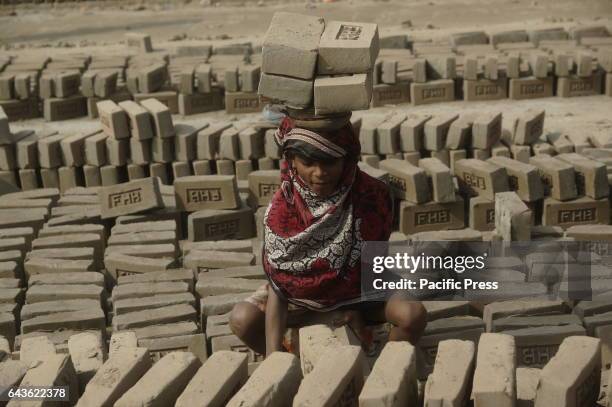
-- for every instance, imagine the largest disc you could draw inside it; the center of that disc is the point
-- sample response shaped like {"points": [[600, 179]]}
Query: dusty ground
{"points": [[98, 27]]}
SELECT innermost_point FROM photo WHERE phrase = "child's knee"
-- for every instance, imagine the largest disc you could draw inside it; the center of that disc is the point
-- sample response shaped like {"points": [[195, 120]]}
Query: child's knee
{"points": [[238, 320], [413, 316]]}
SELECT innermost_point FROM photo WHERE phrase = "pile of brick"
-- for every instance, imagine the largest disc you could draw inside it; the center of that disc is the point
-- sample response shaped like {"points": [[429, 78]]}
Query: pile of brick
{"points": [[446, 171], [313, 64], [476, 66], [161, 349]]}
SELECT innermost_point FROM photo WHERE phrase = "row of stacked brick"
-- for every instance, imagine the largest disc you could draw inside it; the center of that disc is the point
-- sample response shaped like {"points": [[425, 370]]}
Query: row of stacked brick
{"points": [[141, 256], [134, 141], [338, 59], [195, 79]]}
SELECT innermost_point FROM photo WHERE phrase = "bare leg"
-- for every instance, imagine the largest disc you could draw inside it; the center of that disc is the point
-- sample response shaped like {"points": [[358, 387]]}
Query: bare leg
{"points": [[409, 319], [247, 322], [275, 322]]}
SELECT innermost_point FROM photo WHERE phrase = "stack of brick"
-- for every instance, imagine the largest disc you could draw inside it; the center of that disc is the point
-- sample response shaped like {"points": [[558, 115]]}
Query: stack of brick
{"points": [[148, 78], [199, 92], [219, 290], [393, 71], [159, 307], [62, 301], [241, 83], [149, 240], [22, 215], [59, 87], [19, 81], [484, 80], [328, 67], [216, 210], [104, 79]]}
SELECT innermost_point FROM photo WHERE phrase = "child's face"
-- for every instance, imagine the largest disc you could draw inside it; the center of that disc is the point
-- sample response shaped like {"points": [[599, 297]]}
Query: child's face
{"points": [[322, 177]]}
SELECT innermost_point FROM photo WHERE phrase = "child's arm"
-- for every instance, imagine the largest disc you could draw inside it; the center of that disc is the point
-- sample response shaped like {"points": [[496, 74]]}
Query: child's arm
{"points": [[276, 322]]}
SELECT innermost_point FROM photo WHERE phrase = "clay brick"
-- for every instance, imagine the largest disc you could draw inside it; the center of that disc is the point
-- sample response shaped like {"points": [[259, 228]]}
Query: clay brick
{"points": [[242, 245], [459, 132], [242, 102], [163, 237], [480, 178], [581, 211], [77, 320], [441, 179], [407, 181], [64, 109], [529, 127], [138, 41], [441, 67], [523, 178], [216, 381], [532, 306], [436, 131], [291, 44], [162, 119], [393, 377], [249, 78], [530, 88], [431, 216], [451, 377], [203, 260], [263, 184], [78, 278], [152, 78], [162, 149], [148, 289], [118, 264], [55, 370], [275, 381], [139, 120], [486, 130], [337, 378], [388, 134], [206, 192], [27, 150], [137, 319], [118, 374], [296, 93], [87, 355], [66, 84], [208, 141], [512, 217], [384, 94], [122, 340], [485, 89], [49, 151], [573, 86], [45, 265], [185, 141], [347, 48], [573, 374], [201, 102], [131, 197], [442, 90], [342, 93], [591, 176], [412, 133], [558, 177], [114, 120], [95, 150], [469, 38], [495, 375], [164, 382]]}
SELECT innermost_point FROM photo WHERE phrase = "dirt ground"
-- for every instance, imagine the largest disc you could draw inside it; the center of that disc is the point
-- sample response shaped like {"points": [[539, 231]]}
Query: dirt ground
{"points": [[98, 27]]}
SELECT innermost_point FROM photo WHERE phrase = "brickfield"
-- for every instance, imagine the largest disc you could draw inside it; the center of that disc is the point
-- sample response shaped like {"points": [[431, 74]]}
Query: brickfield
{"points": [[135, 175]]}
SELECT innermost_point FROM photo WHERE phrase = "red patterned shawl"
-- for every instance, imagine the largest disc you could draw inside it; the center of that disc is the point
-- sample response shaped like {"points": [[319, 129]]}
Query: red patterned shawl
{"points": [[312, 245]]}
